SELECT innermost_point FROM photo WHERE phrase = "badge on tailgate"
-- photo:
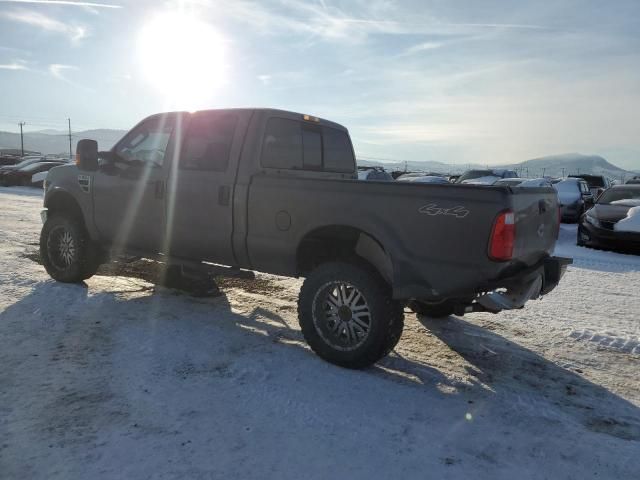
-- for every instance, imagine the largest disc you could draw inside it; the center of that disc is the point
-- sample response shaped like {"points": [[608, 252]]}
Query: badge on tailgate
{"points": [[433, 209]]}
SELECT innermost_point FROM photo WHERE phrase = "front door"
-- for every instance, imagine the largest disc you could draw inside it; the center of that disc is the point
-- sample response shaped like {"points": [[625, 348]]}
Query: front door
{"points": [[129, 190], [200, 189]]}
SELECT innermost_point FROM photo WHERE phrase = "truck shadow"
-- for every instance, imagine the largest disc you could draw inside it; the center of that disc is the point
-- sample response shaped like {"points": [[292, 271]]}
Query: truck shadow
{"points": [[540, 386], [495, 367]]}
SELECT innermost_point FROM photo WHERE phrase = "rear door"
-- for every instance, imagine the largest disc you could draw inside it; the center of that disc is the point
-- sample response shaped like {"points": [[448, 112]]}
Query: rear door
{"points": [[128, 195], [199, 206]]}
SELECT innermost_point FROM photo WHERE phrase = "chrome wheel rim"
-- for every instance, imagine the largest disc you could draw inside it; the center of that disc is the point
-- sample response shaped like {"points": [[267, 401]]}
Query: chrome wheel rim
{"points": [[341, 315], [61, 248]]}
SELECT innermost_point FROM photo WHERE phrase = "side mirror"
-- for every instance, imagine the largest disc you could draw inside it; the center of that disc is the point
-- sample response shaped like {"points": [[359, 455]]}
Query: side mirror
{"points": [[87, 155]]}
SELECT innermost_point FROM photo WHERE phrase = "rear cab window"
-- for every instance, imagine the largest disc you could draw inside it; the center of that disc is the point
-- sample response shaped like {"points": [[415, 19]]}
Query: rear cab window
{"points": [[292, 144]]}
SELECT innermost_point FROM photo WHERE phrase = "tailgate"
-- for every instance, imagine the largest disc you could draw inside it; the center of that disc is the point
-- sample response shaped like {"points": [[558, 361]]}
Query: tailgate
{"points": [[537, 222]]}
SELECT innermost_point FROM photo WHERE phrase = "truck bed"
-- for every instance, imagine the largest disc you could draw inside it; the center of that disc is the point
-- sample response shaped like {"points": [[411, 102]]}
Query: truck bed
{"points": [[436, 236]]}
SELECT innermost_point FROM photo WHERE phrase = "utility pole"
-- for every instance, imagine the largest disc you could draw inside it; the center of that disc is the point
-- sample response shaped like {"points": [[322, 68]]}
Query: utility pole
{"points": [[543, 170], [21, 138], [70, 153], [562, 172]]}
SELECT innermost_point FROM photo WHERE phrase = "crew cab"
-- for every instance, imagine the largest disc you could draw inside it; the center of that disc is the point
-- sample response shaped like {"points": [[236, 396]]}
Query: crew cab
{"points": [[277, 192]]}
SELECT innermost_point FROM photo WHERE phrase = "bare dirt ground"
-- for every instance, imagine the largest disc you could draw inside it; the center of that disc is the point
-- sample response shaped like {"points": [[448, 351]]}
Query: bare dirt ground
{"points": [[118, 378]]}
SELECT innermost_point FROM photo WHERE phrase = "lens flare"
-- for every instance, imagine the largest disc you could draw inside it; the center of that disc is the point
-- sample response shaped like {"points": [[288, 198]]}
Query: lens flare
{"points": [[182, 57]]}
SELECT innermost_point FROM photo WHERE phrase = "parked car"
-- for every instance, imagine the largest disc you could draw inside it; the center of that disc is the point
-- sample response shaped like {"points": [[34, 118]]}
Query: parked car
{"points": [[597, 183], [374, 173], [485, 177], [9, 160], [23, 163], [22, 176], [606, 224], [276, 191], [633, 181], [575, 198], [524, 182], [424, 179]]}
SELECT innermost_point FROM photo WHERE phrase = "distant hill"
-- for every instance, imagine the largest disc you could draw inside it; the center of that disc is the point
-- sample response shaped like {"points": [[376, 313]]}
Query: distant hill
{"points": [[57, 142], [552, 165], [570, 163]]}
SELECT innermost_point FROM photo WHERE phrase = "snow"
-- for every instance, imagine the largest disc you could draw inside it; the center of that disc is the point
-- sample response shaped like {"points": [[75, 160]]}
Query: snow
{"points": [[121, 379], [631, 223]]}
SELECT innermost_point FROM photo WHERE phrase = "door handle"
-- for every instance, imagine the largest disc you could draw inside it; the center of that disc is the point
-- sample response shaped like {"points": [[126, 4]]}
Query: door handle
{"points": [[224, 192]]}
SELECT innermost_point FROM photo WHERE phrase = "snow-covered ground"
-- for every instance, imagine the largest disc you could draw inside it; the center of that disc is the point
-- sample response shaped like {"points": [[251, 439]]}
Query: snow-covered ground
{"points": [[118, 379]]}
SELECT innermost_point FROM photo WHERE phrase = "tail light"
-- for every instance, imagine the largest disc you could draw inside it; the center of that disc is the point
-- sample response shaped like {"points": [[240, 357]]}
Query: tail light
{"points": [[503, 237]]}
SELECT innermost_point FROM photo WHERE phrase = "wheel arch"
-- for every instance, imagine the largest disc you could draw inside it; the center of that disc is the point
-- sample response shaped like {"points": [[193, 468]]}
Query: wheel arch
{"points": [[62, 201], [332, 242]]}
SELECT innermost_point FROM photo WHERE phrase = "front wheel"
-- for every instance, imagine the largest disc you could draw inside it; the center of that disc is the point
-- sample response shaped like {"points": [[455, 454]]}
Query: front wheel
{"points": [[347, 315], [66, 250]]}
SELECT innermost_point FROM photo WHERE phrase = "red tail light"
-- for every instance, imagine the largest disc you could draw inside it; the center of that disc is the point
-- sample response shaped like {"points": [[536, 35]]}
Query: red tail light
{"points": [[502, 237]]}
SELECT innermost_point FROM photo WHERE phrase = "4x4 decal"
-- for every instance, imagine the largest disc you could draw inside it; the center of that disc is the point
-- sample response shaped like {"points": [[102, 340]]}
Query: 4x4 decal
{"points": [[433, 209]]}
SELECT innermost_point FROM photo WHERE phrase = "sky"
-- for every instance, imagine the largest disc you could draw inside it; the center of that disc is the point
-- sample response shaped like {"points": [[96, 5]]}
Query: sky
{"points": [[457, 81]]}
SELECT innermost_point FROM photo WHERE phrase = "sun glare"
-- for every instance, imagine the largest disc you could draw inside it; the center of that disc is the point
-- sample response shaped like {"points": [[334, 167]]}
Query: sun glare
{"points": [[182, 57]]}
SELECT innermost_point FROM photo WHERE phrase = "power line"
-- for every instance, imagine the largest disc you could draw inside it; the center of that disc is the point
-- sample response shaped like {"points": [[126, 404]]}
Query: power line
{"points": [[70, 153], [21, 124]]}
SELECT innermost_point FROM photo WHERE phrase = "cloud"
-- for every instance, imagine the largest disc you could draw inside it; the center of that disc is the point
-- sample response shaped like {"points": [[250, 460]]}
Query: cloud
{"points": [[64, 2], [57, 69], [13, 66], [323, 22], [422, 47], [49, 24], [265, 79]]}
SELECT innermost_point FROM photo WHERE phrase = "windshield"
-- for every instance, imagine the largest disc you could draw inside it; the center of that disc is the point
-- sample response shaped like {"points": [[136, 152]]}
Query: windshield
{"points": [[509, 182], [26, 162], [35, 166], [592, 181], [620, 196]]}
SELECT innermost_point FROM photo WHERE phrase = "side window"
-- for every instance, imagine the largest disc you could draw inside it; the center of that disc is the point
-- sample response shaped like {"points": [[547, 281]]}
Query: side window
{"points": [[338, 153], [312, 145], [208, 142], [282, 144], [147, 143], [290, 144]]}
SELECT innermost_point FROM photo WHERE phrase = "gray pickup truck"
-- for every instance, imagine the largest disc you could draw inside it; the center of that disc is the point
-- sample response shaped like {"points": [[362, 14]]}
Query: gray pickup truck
{"points": [[277, 192]]}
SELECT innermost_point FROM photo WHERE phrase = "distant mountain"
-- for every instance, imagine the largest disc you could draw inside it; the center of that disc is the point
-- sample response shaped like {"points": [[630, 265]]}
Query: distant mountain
{"points": [[57, 142], [552, 165], [568, 164], [427, 166]]}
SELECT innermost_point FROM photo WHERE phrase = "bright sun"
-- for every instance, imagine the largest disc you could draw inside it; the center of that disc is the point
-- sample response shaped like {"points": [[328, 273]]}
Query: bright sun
{"points": [[182, 57]]}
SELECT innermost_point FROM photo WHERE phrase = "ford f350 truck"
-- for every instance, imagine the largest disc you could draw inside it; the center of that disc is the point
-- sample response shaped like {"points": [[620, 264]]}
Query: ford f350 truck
{"points": [[276, 191]]}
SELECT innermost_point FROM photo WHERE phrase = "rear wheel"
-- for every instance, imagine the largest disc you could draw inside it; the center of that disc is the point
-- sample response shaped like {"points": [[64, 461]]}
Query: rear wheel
{"points": [[67, 252], [347, 315]]}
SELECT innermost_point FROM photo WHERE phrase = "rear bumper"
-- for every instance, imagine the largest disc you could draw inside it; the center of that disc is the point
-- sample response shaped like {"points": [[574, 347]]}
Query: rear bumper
{"points": [[514, 291], [604, 238]]}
